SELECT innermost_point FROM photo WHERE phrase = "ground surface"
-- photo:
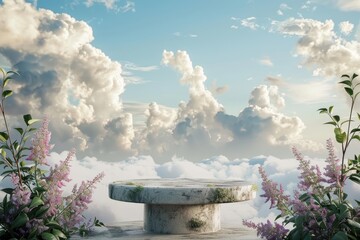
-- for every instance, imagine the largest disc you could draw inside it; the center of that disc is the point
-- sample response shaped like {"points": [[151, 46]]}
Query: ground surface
{"points": [[134, 231]]}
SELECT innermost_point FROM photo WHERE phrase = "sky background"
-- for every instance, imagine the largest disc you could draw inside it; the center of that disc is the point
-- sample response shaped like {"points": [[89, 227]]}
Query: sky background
{"points": [[181, 88]]}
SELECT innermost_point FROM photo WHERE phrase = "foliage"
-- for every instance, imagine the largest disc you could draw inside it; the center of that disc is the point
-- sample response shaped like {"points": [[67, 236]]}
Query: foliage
{"points": [[34, 207], [320, 210]]}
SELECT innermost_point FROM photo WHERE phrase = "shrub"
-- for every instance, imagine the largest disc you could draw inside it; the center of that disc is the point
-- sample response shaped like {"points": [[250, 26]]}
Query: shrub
{"points": [[34, 208], [320, 208]]}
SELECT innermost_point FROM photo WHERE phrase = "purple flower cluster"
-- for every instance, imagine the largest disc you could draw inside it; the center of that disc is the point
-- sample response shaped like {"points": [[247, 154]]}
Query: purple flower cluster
{"points": [[268, 230], [41, 147], [310, 176], [273, 193], [333, 167], [21, 195], [54, 183], [77, 202]]}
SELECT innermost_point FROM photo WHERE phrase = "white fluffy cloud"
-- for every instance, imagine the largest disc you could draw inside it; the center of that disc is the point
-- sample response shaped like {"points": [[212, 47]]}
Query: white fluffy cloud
{"points": [[349, 5], [250, 23], [218, 167], [346, 27], [64, 77], [325, 52], [79, 88]]}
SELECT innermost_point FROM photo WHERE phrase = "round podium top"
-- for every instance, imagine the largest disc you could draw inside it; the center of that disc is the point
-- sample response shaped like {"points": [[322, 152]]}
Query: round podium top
{"points": [[181, 191]]}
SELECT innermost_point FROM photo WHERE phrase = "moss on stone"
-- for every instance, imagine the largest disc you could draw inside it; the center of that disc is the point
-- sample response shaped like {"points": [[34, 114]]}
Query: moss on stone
{"points": [[134, 193], [222, 195], [196, 223]]}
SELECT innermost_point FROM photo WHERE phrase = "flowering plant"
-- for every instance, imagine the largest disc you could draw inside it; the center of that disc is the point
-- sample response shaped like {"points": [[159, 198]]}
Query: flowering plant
{"points": [[34, 207], [319, 209]]}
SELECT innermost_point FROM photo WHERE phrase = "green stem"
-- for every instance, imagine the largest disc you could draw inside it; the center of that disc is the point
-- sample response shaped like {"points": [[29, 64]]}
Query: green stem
{"points": [[11, 146]]}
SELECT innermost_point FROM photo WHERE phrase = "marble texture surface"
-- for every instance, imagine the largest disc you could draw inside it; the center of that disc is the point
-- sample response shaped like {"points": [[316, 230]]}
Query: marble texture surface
{"points": [[181, 206], [181, 191]]}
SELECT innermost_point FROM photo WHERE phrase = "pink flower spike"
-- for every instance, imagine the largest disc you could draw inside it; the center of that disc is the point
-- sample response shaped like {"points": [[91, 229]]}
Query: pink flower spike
{"points": [[41, 147]]}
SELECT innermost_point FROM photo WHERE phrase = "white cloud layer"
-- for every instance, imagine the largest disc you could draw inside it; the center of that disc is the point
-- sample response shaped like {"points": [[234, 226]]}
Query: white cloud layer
{"points": [[78, 87], [349, 5], [283, 171], [322, 49]]}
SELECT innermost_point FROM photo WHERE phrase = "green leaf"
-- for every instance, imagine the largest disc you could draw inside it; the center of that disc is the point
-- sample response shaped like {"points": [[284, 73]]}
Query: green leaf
{"points": [[41, 211], [32, 121], [331, 123], [355, 178], [4, 136], [356, 137], [3, 153], [6, 81], [20, 130], [7, 93], [355, 130], [358, 116], [349, 91], [346, 82], [13, 72], [27, 118], [340, 136], [59, 233], [339, 236], [337, 118], [7, 190], [322, 110], [354, 76], [330, 109], [353, 223], [53, 224], [20, 220], [48, 236], [36, 202]]}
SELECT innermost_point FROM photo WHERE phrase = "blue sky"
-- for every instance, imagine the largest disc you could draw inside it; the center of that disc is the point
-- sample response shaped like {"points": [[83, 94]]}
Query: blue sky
{"points": [[118, 71]]}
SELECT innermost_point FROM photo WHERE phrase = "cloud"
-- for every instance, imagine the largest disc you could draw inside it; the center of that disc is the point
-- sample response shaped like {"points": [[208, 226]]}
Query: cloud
{"points": [[128, 6], [346, 27], [218, 89], [266, 61], [249, 23], [262, 124], [64, 77], [284, 171], [129, 69], [282, 8], [348, 5], [322, 50], [307, 92]]}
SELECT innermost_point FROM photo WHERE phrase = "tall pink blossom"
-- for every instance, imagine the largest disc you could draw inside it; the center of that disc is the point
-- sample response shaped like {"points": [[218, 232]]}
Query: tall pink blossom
{"points": [[55, 181], [268, 230], [310, 176], [41, 147], [77, 202], [273, 193], [21, 195], [333, 168]]}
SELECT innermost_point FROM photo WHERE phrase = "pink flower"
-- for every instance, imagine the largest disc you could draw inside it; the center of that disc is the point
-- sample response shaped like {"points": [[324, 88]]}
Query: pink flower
{"points": [[20, 196], [333, 168], [41, 144], [273, 194], [268, 230], [310, 176], [55, 181], [77, 202]]}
